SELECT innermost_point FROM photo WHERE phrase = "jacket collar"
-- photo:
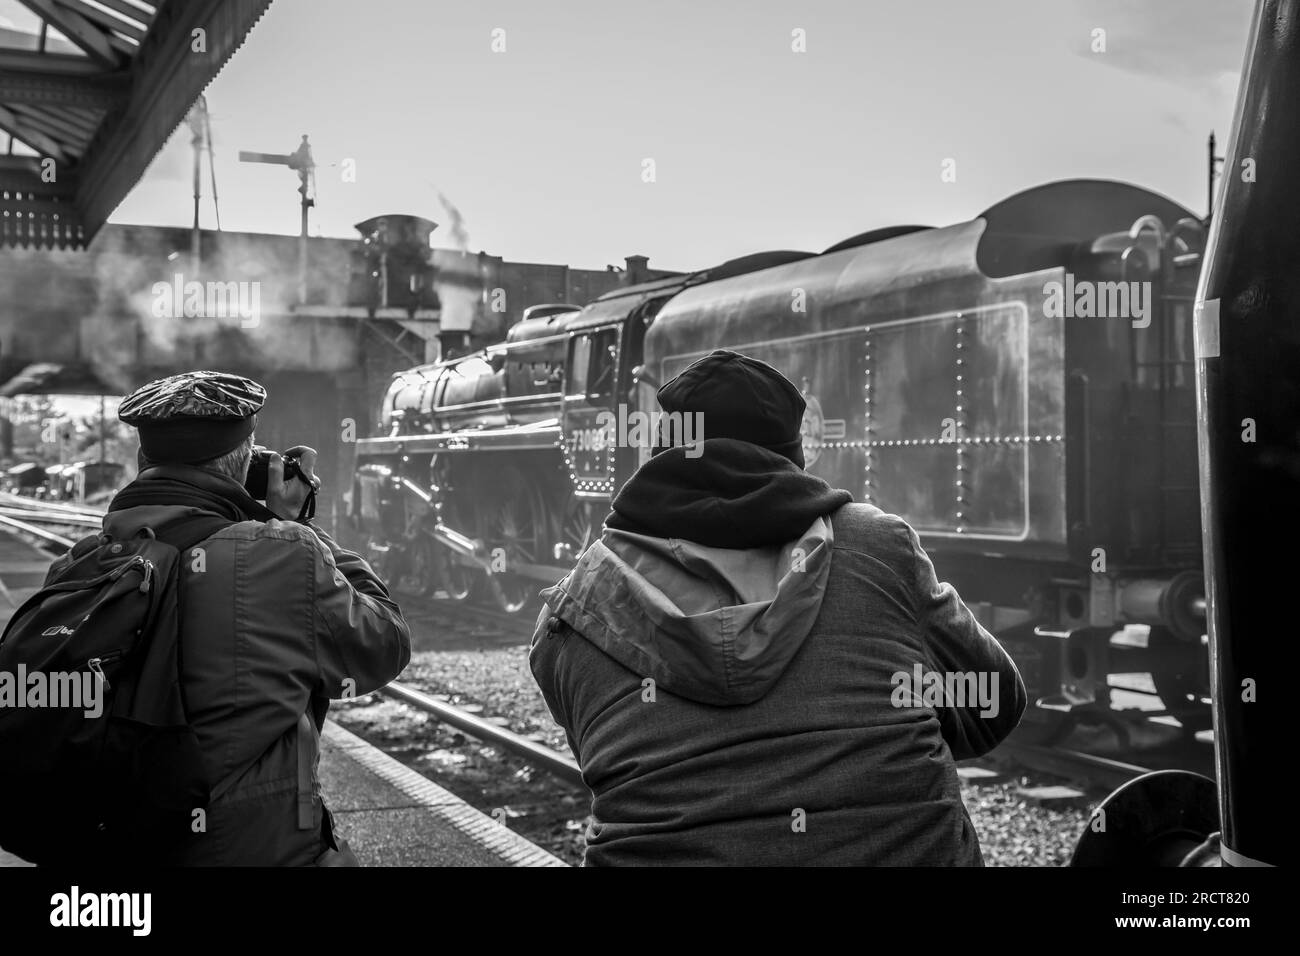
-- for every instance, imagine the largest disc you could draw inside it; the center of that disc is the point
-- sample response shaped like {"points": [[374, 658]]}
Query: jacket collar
{"points": [[191, 486]]}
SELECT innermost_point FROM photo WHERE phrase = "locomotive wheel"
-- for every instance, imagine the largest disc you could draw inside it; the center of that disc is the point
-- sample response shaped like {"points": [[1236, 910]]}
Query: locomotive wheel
{"points": [[418, 576], [386, 560], [578, 528], [433, 568], [514, 527], [456, 579], [510, 591], [1182, 688]]}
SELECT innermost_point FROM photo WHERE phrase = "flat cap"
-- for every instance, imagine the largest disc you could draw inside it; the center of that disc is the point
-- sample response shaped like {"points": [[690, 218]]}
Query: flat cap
{"points": [[194, 416]]}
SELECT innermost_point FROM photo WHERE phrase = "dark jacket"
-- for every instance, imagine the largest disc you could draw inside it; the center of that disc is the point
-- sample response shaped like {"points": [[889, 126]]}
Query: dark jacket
{"points": [[276, 620], [755, 706]]}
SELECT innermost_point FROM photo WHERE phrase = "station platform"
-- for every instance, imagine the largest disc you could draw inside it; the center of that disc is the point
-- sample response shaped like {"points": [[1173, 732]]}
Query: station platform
{"points": [[392, 816], [389, 814]]}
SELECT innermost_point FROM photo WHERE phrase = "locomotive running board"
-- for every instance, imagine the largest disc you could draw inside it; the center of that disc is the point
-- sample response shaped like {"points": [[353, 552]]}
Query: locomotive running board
{"points": [[542, 436]]}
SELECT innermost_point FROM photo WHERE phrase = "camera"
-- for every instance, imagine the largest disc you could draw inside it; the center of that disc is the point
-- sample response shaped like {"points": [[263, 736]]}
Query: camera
{"points": [[259, 470]]}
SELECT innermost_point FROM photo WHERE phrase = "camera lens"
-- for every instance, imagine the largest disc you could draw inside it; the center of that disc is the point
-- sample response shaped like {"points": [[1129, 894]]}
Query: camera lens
{"points": [[259, 472]]}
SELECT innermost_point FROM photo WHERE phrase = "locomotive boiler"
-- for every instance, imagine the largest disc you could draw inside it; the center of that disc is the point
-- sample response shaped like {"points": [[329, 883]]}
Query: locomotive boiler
{"points": [[1019, 388]]}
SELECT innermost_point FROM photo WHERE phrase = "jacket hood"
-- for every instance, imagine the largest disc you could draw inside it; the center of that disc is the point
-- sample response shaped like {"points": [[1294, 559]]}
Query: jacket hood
{"points": [[715, 625]]}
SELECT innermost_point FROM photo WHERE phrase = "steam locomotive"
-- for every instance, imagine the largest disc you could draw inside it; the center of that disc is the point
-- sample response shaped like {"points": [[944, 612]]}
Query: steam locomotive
{"points": [[1020, 388]]}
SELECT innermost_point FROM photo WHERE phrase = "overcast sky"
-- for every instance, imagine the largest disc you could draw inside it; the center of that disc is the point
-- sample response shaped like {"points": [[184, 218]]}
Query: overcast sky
{"points": [[755, 146]]}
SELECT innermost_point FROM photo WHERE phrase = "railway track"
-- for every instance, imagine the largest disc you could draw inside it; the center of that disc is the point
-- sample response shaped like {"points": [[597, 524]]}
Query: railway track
{"points": [[1090, 771]]}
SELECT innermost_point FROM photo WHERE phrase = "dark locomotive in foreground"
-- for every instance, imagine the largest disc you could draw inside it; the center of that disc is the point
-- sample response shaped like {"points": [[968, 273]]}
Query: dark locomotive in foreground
{"points": [[1020, 388]]}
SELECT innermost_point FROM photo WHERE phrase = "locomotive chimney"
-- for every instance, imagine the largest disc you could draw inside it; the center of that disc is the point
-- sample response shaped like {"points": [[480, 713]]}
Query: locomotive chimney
{"points": [[453, 343], [637, 269]]}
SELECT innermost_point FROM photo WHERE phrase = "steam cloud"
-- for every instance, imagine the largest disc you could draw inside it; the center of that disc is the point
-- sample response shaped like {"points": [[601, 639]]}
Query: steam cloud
{"points": [[122, 338], [459, 287]]}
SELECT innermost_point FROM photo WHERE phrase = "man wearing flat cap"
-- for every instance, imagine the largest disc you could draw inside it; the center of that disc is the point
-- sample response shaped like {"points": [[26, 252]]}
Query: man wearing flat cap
{"points": [[725, 659], [276, 619]]}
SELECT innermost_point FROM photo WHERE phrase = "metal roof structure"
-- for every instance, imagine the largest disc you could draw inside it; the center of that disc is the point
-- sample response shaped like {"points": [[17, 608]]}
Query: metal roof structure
{"points": [[90, 90]]}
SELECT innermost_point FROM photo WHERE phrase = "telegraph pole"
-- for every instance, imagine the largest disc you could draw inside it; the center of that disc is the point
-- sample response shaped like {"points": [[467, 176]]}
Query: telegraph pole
{"points": [[195, 120], [1214, 163], [201, 139]]}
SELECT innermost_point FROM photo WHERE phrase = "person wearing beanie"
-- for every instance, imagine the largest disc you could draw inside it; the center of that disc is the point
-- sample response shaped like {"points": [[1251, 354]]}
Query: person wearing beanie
{"points": [[276, 619], [752, 669]]}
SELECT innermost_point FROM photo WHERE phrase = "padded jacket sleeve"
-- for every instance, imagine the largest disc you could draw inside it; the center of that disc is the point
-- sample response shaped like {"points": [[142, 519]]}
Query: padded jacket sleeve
{"points": [[363, 641], [958, 644]]}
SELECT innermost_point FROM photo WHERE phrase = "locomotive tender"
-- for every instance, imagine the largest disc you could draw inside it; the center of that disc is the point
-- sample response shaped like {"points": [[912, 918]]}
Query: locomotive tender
{"points": [[1019, 388]]}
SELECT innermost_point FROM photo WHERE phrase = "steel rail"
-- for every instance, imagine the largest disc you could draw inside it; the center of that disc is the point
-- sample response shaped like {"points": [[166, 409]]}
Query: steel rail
{"points": [[1101, 772], [22, 501], [552, 761], [41, 533], [52, 517]]}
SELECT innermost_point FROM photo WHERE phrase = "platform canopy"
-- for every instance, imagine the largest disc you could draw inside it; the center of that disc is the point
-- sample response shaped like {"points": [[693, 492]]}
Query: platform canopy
{"points": [[90, 90]]}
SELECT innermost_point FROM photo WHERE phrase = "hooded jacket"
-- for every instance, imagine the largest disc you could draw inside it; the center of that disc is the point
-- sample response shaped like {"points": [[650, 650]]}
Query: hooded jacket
{"points": [[275, 620], [798, 702]]}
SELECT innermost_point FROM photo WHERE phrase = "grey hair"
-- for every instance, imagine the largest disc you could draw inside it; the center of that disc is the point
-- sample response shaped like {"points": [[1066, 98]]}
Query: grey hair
{"points": [[233, 464]]}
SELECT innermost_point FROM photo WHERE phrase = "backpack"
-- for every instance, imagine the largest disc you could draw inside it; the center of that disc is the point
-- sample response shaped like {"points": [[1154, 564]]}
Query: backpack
{"points": [[99, 759]]}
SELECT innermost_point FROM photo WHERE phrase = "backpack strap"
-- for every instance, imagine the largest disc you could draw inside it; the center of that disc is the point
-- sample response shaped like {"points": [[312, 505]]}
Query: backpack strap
{"points": [[183, 534], [306, 755]]}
